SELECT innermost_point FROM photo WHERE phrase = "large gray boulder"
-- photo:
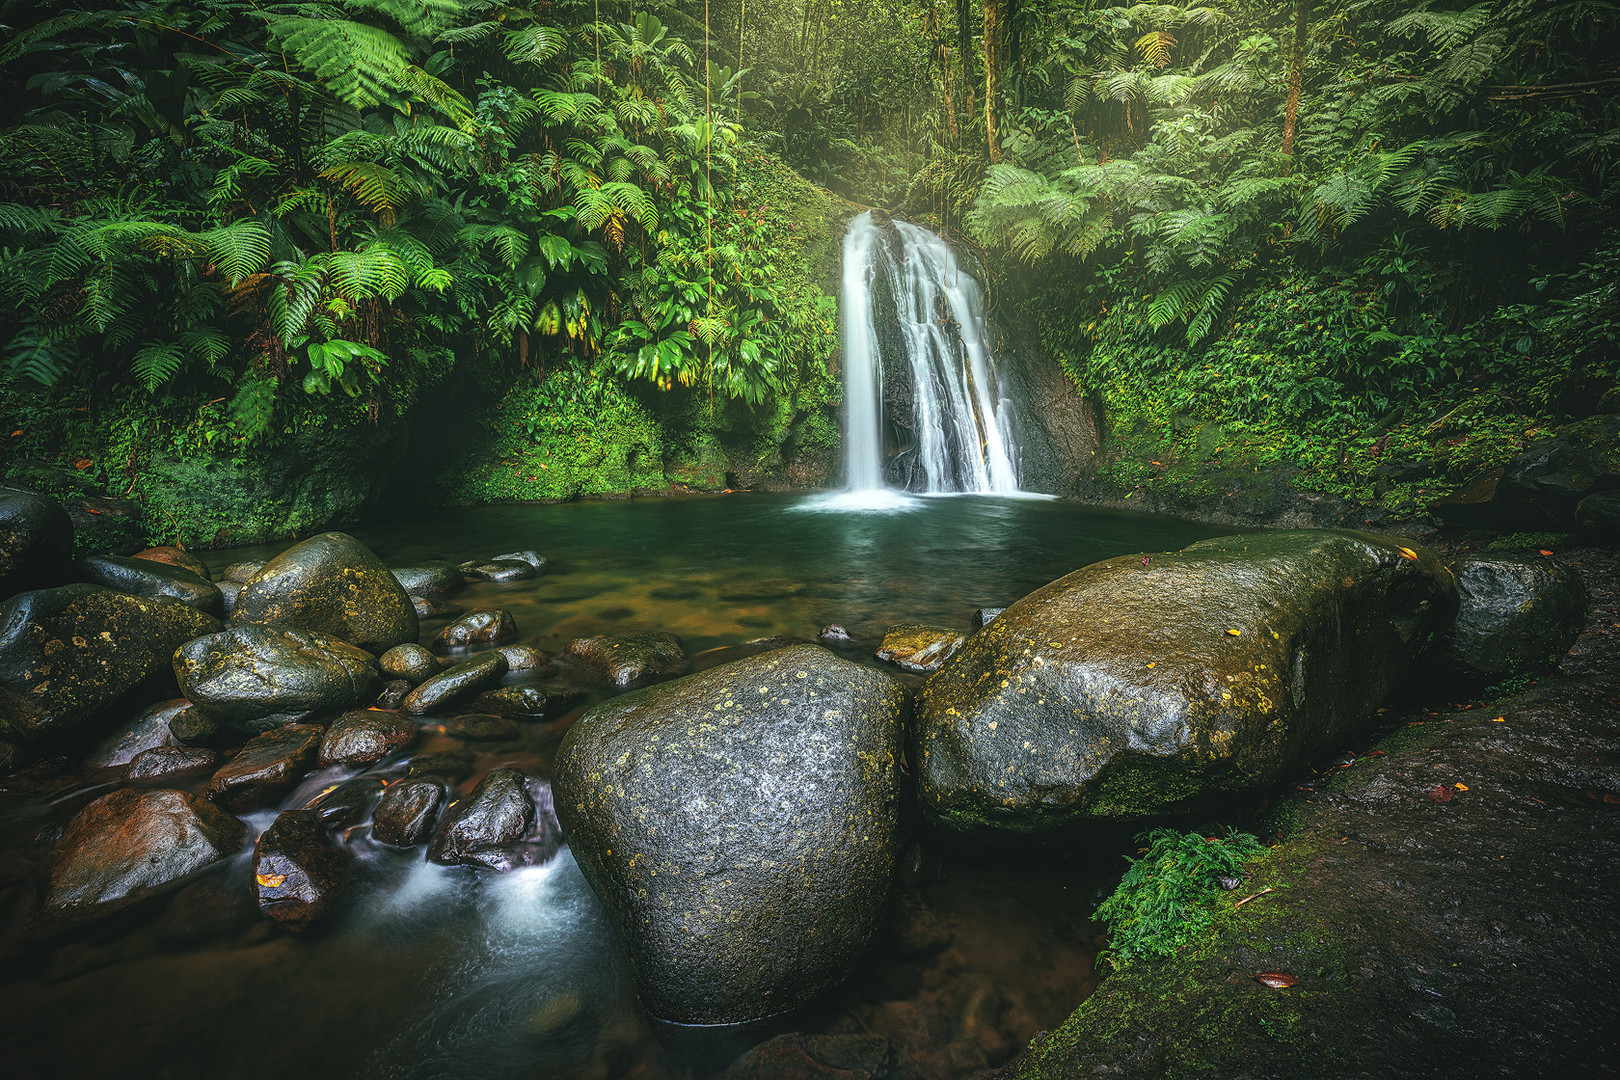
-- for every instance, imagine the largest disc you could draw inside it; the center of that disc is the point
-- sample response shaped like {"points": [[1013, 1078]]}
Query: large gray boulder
{"points": [[255, 678], [1144, 685], [70, 654], [1519, 614], [741, 826], [331, 584]]}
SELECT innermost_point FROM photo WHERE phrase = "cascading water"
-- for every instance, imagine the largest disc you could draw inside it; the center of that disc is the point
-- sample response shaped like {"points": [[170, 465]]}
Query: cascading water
{"points": [[909, 311]]}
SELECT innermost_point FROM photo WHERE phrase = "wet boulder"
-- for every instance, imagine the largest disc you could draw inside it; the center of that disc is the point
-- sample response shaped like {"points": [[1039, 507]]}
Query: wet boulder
{"points": [[266, 766], [410, 662], [169, 764], [1598, 516], [479, 628], [629, 660], [149, 729], [70, 654], [133, 844], [330, 584], [532, 701], [366, 736], [1518, 616], [741, 826], [430, 579], [258, 677], [1133, 688], [506, 822], [299, 870], [147, 577], [348, 803], [408, 811], [428, 608], [193, 727], [455, 684], [36, 543], [481, 727], [526, 659], [1542, 487], [177, 557], [498, 570], [918, 648], [536, 560]]}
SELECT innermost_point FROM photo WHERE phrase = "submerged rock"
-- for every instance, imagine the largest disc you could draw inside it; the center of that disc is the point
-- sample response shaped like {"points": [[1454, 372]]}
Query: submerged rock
{"points": [[429, 608], [68, 654], [526, 659], [133, 844], [480, 627], [456, 684], [36, 543], [835, 632], [1129, 689], [430, 579], [530, 700], [480, 727], [330, 584], [506, 822], [1517, 617], [498, 570], [300, 872], [146, 577], [919, 648], [741, 826], [365, 736], [408, 812], [149, 729], [259, 677], [536, 560], [266, 766], [798, 1056], [629, 660]]}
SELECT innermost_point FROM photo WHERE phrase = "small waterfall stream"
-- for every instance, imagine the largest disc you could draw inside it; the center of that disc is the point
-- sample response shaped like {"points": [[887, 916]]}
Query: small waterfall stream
{"points": [[913, 320]]}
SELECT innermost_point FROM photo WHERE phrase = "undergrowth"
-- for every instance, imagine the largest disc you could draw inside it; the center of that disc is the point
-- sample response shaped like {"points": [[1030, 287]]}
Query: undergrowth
{"points": [[1166, 898]]}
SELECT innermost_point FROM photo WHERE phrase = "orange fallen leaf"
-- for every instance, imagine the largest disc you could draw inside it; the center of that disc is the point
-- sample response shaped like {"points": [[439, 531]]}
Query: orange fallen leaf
{"points": [[1408, 553], [271, 881], [1544, 551], [1441, 793], [1234, 633], [1277, 980], [1499, 720], [1375, 753], [1460, 787], [16, 433], [83, 463], [1612, 800], [1153, 665]]}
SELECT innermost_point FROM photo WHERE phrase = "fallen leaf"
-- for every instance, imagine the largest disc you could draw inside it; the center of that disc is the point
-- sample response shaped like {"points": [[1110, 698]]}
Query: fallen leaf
{"points": [[1499, 720], [1375, 753], [1277, 980], [1234, 633], [16, 433], [1408, 553], [1544, 551], [1153, 665], [1612, 800], [1441, 793], [83, 463], [1460, 787], [271, 881]]}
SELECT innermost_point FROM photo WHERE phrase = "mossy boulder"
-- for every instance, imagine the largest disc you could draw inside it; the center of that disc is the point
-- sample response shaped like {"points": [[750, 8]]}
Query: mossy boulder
{"points": [[330, 584], [741, 826], [70, 654], [255, 678], [36, 543], [1518, 615], [147, 577], [1144, 685], [919, 648]]}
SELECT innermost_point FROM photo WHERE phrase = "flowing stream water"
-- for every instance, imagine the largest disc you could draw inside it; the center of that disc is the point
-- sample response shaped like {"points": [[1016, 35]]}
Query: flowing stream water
{"points": [[437, 972], [912, 317]]}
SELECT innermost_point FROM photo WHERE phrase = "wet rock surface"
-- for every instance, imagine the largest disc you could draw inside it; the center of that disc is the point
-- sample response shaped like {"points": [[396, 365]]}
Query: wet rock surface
{"points": [[1138, 686], [147, 577], [1462, 936], [67, 654], [149, 729], [455, 684], [299, 871], [479, 628], [1517, 617], [741, 827], [410, 662], [530, 701], [180, 558], [171, 764], [330, 584], [629, 660], [266, 766], [408, 811], [133, 844], [259, 677], [434, 579], [506, 822], [36, 542], [365, 736], [498, 570], [919, 648]]}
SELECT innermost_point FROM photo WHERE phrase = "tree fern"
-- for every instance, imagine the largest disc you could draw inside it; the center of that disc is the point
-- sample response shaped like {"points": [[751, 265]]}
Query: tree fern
{"points": [[363, 65], [156, 363]]}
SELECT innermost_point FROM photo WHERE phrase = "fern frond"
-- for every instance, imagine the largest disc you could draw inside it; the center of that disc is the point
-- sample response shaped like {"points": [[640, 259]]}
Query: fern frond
{"points": [[157, 363], [363, 65]]}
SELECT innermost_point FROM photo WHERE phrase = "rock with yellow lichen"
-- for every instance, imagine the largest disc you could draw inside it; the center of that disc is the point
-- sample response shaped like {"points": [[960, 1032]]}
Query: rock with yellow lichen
{"points": [[331, 584], [741, 826], [1142, 686]]}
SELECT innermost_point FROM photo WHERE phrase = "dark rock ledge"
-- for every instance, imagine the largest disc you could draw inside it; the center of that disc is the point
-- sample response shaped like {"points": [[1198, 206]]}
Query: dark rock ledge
{"points": [[1468, 932]]}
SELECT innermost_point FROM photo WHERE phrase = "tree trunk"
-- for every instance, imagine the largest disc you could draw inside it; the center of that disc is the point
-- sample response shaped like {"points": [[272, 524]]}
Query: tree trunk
{"points": [[995, 64], [964, 50], [942, 60], [1296, 80]]}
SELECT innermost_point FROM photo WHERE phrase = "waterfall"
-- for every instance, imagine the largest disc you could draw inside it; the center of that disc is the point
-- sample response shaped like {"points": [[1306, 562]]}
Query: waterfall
{"points": [[913, 320]]}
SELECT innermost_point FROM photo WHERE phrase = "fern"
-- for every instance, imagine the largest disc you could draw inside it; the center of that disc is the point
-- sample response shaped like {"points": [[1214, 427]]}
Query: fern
{"points": [[363, 65], [238, 249], [156, 363]]}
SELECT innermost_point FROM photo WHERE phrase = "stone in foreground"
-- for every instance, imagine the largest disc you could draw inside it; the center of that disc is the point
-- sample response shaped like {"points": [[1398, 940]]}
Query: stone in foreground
{"points": [[919, 648], [741, 826], [259, 677], [629, 660], [330, 584], [506, 822], [1133, 688], [132, 844], [1518, 616], [299, 871]]}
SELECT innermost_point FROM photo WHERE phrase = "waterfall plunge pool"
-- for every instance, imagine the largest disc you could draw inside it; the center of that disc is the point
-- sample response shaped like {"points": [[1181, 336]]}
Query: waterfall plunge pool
{"points": [[451, 972]]}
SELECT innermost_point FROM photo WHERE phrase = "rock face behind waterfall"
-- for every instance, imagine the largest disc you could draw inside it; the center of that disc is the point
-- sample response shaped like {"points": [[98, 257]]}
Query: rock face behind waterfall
{"points": [[741, 826], [1140, 686]]}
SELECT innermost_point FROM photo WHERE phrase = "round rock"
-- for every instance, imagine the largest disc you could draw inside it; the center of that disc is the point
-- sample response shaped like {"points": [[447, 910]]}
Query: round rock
{"points": [[457, 683], [148, 577], [330, 584], [366, 736], [266, 766], [430, 579], [1518, 616], [408, 811], [410, 662], [741, 826], [479, 627], [259, 677], [36, 542]]}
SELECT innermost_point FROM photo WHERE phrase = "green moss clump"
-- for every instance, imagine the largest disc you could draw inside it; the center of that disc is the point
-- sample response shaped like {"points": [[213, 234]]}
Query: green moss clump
{"points": [[1166, 898]]}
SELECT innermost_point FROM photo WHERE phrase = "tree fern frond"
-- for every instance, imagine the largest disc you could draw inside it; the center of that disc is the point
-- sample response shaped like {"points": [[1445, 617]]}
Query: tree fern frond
{"points": [[156, 363], [362, 64], [238, 249]]}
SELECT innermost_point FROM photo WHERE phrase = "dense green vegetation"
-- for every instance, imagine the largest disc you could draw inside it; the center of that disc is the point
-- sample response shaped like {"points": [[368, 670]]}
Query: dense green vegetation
{"points": [[1167, 897], [1373, 242]]}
